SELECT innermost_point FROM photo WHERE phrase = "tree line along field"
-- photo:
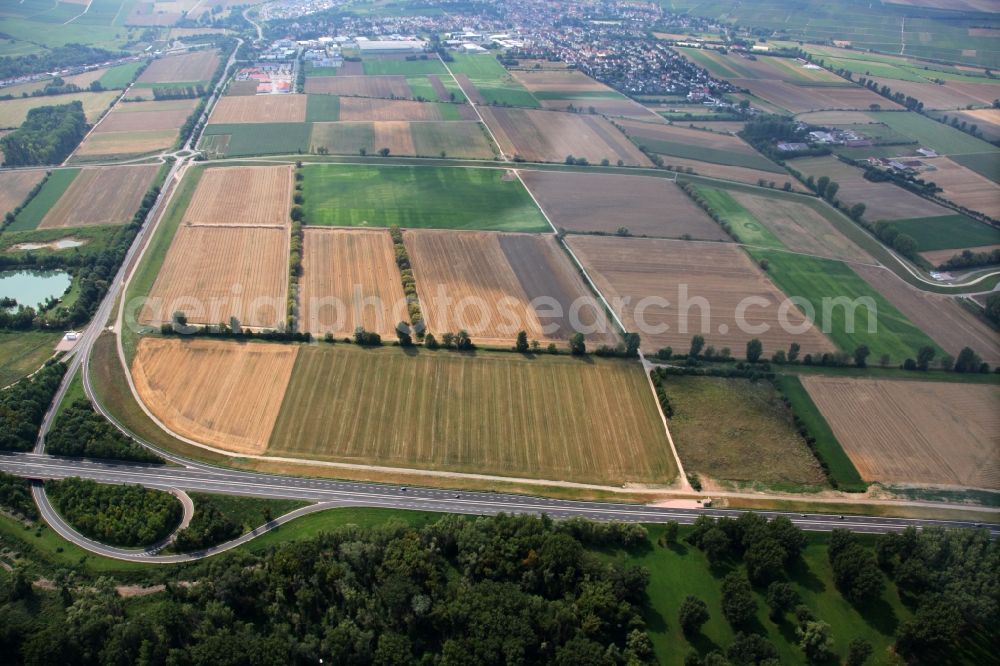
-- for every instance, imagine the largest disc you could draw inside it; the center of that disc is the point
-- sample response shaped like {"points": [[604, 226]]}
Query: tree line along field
{"points": [[603, 203], [350, 279], [948, 232], [35, 211], [551, 136], [14, 187], [14, 111], [720, 273], [754, 442], [893, 430], [495, 285], [546, 417], [217, 393], [418, 197]]}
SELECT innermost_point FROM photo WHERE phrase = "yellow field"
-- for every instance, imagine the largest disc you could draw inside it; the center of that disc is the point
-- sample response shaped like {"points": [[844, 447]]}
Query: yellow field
{"points": [[222, 394], [245, 196]]}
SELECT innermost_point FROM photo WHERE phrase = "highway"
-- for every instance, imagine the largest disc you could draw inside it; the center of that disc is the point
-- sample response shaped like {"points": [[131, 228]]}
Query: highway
{"points": [[329, 494]]}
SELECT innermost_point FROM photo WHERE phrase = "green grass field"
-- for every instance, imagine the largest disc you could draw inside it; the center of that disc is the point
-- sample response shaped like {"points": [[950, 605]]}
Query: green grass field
{"points": [[948, 232], [465, 140], [404, 67], [120, 76], [755, 443], [816, 280], [33, 214], [985, 164], [746, 226], [257, 138], [841, 469], [492, 81], [23, 352], [418, 197], [934, 135], [694, 152], [322, 108], [549, 417]]}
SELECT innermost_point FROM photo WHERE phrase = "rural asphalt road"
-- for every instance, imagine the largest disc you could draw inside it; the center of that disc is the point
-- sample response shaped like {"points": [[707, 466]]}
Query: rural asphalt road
{"points": [[330, 494]]}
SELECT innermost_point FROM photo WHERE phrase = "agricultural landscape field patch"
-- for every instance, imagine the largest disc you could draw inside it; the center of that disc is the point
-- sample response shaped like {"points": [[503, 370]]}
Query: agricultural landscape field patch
{"points": [[260, 109], [698, 145], [242, 139], [101, 195], [244, 196], [14, 187], [195, 66]]}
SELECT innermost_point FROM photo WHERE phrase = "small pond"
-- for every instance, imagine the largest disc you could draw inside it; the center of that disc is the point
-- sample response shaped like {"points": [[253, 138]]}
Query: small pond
{"points": [[33, 287]]}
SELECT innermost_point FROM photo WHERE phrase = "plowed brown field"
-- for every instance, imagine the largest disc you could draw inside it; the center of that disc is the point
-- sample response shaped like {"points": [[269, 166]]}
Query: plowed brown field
{"points": [[247, 196], [703, 285], [198, 66], [360, 86], [468, 280], [914, 432], [14, 187], [101, 195], [604, 202], [213, 273], [223, 394], [260, 109], [964, 186], [350, 279], [549, 136]]}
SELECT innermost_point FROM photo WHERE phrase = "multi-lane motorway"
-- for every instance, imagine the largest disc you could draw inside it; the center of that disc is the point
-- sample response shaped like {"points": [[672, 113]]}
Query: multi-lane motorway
{"points": [[329, 494]]}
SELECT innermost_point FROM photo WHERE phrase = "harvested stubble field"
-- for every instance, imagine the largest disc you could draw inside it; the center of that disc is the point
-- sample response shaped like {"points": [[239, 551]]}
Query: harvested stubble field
{"points": [[734, 173], [622, 107], [755, 442], [569, 81], [118, 144], [14, 111], [372, 109], [644, 205], [964, 186], [417, 196], [552, 417], [144, 116], [198, 66], [485, 283], [350, 279], [359, 86], [946, 322], [260, 109], [223, 394], [549, 136], [938, 257], [737, 66], [245, 196], [800, 98], [951, 95], [883, 201], [213, 273], [14, 187], [699, 145], [912, 431], [800, 227], [101, 195], [680, 272]]}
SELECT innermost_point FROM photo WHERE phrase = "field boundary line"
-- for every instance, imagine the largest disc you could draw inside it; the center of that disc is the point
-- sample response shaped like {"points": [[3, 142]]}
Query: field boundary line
{"points": [[475, 107]]}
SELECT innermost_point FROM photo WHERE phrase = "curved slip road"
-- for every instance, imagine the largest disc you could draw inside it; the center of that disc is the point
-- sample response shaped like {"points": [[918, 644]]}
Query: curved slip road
{"points": [[330, 494]]}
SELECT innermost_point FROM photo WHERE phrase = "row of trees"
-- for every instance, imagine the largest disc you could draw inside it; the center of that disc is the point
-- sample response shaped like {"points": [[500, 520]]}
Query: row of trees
{"points": [[54, 58], [47, 135], [409, 283], [80, 431]]}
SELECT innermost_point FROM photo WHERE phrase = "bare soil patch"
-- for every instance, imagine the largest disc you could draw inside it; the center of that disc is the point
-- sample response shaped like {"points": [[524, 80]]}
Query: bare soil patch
{"points": [[702, 284], [350, 279], [914, 432], [964, 186], [101, 195], [646, 206], [466, 280], [223, 394], [260, 109], [14, 187], [197, 66], [360, 86], [550, 136], [246, 196], [947, 323], [213, 273]]}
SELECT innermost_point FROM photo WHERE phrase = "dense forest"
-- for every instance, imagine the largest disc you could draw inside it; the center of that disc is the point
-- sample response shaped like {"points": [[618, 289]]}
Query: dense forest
{"points": [[130, 516], [15, 497], [47, 136], [80, 431], [56, 57], [23, 405]]}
